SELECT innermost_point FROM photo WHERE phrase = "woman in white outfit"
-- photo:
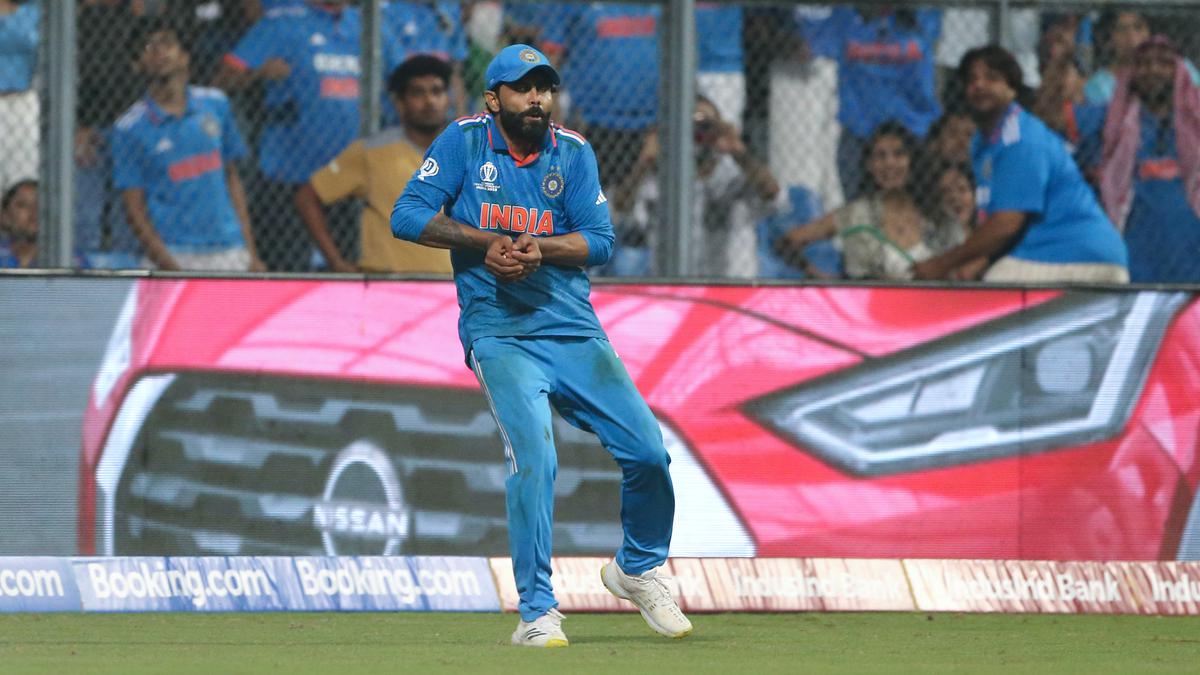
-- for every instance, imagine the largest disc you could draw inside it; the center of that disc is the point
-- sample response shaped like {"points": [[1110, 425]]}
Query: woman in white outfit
{"points": [[883, 232]]}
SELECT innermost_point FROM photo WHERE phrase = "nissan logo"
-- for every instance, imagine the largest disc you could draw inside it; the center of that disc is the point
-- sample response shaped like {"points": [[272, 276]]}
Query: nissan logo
{"points": [[362, 510]]}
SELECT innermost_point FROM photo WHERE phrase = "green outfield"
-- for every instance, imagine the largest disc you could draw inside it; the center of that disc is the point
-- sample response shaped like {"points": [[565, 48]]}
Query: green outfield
{"points": [[469, 643]]}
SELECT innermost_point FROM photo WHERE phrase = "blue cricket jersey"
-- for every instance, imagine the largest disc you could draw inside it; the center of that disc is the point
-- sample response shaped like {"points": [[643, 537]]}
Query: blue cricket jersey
{"points": [[427, 28], [718, 38], [885, 66], [18, 47], [422, 28], [469, 172], [1024, 166], [180, 164], [313, 113], [611, 61], [1162, 231]]}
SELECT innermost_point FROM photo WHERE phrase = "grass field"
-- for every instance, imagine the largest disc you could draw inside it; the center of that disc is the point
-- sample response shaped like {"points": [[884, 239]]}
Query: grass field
{"points": [[471, 643]]}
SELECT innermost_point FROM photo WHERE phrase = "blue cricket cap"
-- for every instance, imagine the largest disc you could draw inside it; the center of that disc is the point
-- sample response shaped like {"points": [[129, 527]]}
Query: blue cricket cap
{"points": [[514, 62]]}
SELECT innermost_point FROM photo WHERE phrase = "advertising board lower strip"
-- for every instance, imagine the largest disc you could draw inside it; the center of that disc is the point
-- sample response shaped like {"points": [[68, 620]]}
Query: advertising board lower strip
{"points": [[37, 584], [1055, 587], [435, 583], [256, 584], [734, 585]]}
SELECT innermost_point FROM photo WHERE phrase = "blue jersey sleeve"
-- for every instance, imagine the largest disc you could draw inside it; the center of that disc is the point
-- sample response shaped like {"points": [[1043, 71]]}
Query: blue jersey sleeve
{"points": [[587, 207], [259, 44], [232, 145], [1020, 174], [436, 183], [128, 160]]}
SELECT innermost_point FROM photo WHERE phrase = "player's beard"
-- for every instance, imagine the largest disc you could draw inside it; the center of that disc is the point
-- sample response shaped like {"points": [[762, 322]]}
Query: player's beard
{"points": [[523, 127]]}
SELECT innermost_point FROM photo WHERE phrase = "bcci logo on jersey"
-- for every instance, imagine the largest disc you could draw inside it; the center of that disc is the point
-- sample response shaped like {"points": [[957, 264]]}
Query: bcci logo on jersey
{"points": [[552, 184], [487, 175]]}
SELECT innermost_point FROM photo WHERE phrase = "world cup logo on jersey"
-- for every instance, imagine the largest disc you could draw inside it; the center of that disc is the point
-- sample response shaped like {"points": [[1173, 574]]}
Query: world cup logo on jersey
{"points": [[488, 173], [552, 184]]}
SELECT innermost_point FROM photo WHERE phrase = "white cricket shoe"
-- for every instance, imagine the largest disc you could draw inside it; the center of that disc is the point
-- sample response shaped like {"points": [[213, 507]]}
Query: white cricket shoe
{"points": [[544, 631], [651, 597]]}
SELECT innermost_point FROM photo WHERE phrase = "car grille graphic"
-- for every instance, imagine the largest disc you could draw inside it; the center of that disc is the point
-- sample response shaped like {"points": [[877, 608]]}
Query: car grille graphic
{"points": [[239, 464]]}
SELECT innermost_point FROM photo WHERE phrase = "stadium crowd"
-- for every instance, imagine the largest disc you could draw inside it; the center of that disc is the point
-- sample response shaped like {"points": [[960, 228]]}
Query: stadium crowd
{"points": [[832, 141]]}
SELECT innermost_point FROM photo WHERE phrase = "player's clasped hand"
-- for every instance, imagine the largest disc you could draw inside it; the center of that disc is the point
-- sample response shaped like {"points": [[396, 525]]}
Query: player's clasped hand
{"points": [[513, 260], [527, 252]]}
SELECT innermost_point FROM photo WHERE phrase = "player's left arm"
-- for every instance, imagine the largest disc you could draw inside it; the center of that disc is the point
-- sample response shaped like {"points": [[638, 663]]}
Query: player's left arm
{"points": [[590, 239]]}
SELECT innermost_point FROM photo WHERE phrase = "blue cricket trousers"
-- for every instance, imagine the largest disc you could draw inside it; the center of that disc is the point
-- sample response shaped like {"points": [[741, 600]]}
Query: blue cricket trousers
{"points": [[585, 381]]}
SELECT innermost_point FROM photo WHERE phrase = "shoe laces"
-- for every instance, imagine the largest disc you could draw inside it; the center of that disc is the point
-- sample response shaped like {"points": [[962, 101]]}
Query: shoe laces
{"points": [[656, 582], [556, 617]]}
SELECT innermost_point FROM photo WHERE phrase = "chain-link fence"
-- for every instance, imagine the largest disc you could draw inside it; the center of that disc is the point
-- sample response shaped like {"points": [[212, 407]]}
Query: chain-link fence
{"points": [[830, 140]]}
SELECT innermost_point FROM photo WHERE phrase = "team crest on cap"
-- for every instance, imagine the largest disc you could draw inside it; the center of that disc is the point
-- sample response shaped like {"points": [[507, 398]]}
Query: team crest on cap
{"points": [[529, 56], [552, 184]]}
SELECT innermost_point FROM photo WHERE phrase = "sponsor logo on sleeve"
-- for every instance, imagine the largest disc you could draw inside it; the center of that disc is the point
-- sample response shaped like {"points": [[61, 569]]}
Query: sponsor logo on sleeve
{"points": [[428, 169]]}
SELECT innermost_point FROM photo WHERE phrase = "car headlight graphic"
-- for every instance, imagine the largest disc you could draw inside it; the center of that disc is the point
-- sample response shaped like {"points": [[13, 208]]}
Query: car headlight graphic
{"points": [[1066, 372]]}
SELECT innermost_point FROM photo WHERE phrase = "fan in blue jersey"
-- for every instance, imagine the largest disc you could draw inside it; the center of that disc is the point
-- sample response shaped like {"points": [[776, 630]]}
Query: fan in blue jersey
{"points": [[174, 154], [1039, 220], [308, 57], [517, 200]]}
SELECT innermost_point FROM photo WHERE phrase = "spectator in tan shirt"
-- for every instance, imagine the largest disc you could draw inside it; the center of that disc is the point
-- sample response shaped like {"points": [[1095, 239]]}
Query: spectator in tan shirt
{"points": [[376, 169]]}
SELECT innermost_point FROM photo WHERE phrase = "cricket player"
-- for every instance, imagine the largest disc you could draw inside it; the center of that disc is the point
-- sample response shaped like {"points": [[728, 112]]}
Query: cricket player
{"points": [[517, 199]]}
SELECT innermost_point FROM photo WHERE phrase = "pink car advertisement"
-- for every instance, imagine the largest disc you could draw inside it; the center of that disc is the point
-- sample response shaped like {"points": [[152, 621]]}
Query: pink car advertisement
{"points": [[305, 417]]}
